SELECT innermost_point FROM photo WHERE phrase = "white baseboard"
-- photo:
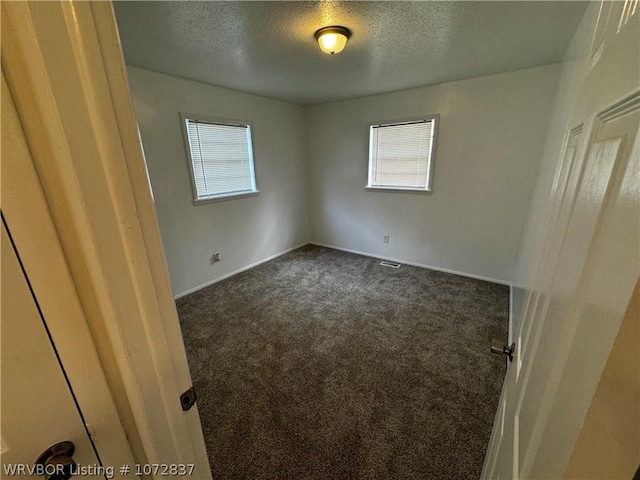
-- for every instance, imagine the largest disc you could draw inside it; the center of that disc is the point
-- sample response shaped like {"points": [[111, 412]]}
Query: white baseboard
{"points": [[230, 274], [414, 264], [366, 254]]}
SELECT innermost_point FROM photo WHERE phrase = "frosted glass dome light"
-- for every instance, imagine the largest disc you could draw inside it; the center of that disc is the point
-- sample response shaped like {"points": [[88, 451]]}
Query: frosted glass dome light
{"points": [[332, 39]]}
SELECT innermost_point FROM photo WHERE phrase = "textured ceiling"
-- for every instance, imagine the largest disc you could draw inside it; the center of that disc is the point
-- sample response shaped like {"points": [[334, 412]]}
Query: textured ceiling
{"points": [[268, 48]]}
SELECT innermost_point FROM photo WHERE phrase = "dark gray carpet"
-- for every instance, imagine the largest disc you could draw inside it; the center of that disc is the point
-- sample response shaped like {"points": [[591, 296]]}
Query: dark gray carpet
{"points": [[321, 364]]}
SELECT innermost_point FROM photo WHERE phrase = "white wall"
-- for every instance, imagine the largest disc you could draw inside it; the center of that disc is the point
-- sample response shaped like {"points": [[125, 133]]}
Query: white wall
{"points": [[311, 167], [491, 139], [243, 230]]}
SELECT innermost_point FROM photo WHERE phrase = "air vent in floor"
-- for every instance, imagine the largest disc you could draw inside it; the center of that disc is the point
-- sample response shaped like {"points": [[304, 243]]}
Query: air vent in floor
{"points": [[384, 263]]}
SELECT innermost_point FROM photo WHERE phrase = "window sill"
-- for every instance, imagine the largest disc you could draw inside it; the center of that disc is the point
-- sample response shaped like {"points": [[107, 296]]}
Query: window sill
{"points": [[420, 191], [223, 198]]}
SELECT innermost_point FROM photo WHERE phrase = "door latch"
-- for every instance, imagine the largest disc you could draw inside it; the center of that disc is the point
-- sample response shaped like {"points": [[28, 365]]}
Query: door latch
{"points": [[499, 348], [188, 398]]}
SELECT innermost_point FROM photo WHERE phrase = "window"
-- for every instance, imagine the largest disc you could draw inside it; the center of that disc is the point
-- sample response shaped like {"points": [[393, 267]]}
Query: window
{"points": [[401, 155], [220, 158]]}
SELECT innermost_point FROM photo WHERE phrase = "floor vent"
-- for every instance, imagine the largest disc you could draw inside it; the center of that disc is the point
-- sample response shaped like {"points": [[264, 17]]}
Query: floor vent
{"points": [[384, 263]]}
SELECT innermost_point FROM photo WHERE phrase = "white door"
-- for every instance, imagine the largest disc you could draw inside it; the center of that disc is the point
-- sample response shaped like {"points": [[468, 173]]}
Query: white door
{"points": [[588, 267], [38, 408], [50, 369]]}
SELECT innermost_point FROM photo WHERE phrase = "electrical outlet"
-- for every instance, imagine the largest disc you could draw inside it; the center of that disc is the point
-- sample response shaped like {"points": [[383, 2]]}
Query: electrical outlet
{"points": [[386, 239]]}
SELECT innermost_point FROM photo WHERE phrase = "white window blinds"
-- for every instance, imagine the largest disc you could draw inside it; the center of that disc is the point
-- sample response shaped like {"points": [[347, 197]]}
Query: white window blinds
{"points": [[221, 159], [400, 155]]}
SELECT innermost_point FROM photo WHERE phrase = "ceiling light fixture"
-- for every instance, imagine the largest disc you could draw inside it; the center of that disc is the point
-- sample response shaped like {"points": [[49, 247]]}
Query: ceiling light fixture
{"points": [[332, 39]]}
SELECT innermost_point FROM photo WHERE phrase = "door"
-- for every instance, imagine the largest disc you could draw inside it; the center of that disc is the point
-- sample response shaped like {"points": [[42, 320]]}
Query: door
{"points": [[37, 405], [75, 194], [38, 408], [588, 267]]}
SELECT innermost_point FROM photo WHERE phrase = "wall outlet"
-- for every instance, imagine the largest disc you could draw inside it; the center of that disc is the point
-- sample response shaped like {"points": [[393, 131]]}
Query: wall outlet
{"points": [[386, 239], [215, 258]]}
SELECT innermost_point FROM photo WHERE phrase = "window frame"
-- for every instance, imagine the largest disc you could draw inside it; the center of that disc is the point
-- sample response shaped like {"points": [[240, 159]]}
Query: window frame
{"points": [[184, 117], [432, 154]]}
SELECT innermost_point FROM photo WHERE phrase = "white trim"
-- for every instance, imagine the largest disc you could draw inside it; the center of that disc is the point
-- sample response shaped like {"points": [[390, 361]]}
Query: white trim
{"points": [[511, 333], [226, 196], [415, 264], [186, 430], [239, 270], [399, 190]]}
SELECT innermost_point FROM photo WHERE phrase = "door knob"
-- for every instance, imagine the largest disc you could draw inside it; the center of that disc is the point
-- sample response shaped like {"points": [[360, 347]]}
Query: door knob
{"points": [[55, 463], [498, 347]]}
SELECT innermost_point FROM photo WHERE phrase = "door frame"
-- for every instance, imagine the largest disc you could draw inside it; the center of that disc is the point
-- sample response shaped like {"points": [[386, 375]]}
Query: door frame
{"points": [[65, 71]]}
